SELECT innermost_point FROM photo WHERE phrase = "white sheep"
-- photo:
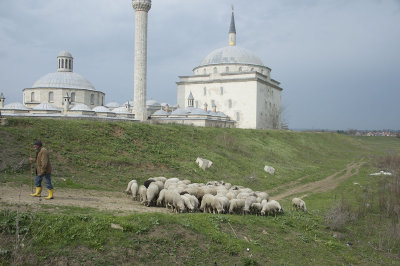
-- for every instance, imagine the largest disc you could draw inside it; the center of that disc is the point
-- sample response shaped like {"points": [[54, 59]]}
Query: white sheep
{"points": [[128, 188], [142, 194], [152, 193], [256, 208], [299, 204], [177, 203], [206, 203], [271, 207], [161, 198], [224, 201], [134, 190], [248, 201], [262, 196], [188, 203], [236, 206]]}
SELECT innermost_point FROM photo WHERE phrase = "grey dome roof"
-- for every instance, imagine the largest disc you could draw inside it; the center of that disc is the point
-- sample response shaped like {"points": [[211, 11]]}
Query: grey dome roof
{"points": [[160, 112], [65, 54], [231, 55], [101, 109], [80, 107], [112, 105], [120, 110], [196, 111], [68, 80], [153, 103], [45, 106], [180, 112], [15, 106]]}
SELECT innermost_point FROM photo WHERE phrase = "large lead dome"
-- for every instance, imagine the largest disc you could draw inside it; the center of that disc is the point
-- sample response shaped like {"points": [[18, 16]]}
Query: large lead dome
{"points": [[231, 55]]}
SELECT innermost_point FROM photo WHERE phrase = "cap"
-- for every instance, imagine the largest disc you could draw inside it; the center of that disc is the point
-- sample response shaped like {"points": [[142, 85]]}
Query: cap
{"points": [[38, 143]]}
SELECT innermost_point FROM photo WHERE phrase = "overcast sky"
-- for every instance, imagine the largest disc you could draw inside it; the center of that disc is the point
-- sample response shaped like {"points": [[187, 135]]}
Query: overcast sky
{"points": [[338, 61]]}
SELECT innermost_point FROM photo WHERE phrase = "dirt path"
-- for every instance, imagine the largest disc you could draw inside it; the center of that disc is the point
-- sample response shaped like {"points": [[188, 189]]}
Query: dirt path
{"points": [[102, 200], [119, 202], [327, 184]]}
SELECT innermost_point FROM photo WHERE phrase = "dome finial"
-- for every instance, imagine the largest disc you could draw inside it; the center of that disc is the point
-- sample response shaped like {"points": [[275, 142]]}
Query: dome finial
{"points": [[232, 30]]}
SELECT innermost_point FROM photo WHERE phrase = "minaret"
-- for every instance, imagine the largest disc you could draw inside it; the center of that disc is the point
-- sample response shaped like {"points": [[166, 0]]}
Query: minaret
{"points": [[142, 8], [66, 103], [2, 100], [232, 31], [190, 100]]}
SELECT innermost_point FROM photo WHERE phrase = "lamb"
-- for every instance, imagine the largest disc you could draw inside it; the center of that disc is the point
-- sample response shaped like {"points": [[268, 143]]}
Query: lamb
{"points": [[271, 207], [152, 193], [128, 189], [161, 198], [142, 194], [236, 206], [299, 204]]}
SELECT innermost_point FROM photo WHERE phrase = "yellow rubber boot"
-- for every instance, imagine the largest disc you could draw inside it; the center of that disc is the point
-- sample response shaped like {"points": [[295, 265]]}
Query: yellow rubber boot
{"points": [[38, 192], [50, 196]]}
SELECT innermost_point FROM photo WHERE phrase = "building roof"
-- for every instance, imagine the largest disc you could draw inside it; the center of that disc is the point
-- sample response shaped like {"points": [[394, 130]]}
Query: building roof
{"points": [[112, 105], [161, 113], [68, 80], [152, 102], [45, 107], [232, 28], [80, 107], [121, 110], [101, 109], [65, 54], [15, 106], [231, 55]]}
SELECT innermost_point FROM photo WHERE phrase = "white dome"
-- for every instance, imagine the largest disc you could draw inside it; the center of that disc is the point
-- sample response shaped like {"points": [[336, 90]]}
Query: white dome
{"points": [[161, 112], [180, 112], [15, 106], [65, 54], [120, 110], [196, 111], [80, 107], [69, 80], [153, 103], [101, 109], [46, 107], [112, 105], [231, 55]]}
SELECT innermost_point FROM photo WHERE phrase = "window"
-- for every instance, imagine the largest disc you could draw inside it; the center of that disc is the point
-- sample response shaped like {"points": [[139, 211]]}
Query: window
{"points": [[59, 63], [70, 64], [205, 71], [221, 90], [237, 116], [73, 97], [62, 63], [212, 103], [215, 70], [197, 104], [240, 69], [230, 103], [91, 98], [227, 69], [102, 100], [32, 96], [51, 97], [205, 91], [252, 69]]}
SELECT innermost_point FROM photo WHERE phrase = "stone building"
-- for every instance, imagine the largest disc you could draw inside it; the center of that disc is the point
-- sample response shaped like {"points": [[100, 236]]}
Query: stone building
{"points": [[238, 83], [53, 87]]}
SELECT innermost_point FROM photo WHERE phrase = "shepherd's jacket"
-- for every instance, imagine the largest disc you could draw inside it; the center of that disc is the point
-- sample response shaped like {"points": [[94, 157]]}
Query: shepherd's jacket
{"points": [[43, 165]]}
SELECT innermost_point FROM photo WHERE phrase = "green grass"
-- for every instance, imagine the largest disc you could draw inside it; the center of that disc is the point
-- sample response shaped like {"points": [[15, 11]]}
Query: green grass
{"points": [[106, 155]]}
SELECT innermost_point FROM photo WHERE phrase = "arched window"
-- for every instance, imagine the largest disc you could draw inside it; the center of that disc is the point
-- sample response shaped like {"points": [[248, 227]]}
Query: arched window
{"points": [[62, 63], [230, 103], [221, 90], [32, 96], [205, 71], [205, 91], [215, 70], [237, 116], [51, 97], [197, 104], [72, 96], [59, 63], [227, 69], [66, 63], [91, 98], [240, 69], [252, 69], [102, 100]]}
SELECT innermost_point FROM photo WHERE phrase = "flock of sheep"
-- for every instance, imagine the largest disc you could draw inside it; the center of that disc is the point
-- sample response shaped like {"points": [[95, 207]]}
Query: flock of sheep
{"points": [[213, 197]]}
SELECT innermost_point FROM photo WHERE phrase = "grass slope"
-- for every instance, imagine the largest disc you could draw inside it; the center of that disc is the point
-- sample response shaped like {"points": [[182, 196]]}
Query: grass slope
{"points": [[105, 156]]}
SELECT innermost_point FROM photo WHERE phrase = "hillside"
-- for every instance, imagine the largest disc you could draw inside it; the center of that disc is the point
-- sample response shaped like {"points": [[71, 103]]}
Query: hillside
{"points": [[100, 158]]}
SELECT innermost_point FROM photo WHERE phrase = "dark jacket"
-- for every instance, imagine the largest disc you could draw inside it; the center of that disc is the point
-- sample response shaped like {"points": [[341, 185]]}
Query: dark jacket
{"points": [[43, 165]]}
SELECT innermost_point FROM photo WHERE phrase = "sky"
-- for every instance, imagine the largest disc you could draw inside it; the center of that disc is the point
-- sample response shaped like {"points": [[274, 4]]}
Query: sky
{"points": [[338, 61]]}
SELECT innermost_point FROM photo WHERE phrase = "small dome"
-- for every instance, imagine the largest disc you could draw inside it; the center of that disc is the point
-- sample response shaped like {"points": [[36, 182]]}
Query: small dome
{"points": [[112, 105], [180, 112], [153, 103], [80, 107], [15, 106], [46, 107], [164, 104], [161, 113], [231, 55], [221, 114], [65, 54], [101, 109], [121, 110], [68, 80]]}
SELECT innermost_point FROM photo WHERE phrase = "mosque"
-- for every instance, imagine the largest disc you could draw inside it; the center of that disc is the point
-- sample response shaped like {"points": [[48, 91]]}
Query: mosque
{"points": [[230, 88]]}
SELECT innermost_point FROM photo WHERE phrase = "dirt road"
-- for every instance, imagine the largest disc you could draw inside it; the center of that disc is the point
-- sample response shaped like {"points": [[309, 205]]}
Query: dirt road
{"points": [[119, 202]]}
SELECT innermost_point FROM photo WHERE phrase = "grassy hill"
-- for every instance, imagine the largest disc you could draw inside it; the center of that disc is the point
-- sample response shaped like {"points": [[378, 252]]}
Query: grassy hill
{"points": [[106, 155]]}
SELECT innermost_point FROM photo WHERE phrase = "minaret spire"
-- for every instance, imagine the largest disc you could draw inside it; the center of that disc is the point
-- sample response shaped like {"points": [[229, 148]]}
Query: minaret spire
{"points": [[232, 31]]}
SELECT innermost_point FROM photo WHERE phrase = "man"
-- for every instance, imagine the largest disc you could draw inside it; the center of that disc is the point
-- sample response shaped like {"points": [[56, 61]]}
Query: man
{"points": [[43, 169]]}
